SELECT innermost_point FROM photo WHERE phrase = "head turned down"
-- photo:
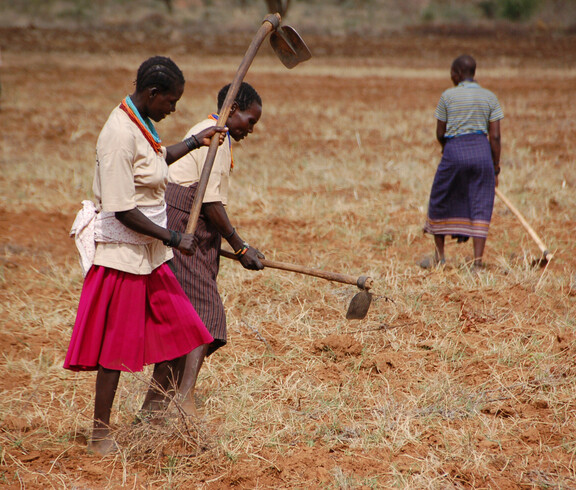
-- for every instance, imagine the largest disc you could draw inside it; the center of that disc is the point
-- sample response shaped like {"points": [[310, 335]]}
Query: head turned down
{"points": [[159, 86], [245, 111], [245, 97], [159, 72]]}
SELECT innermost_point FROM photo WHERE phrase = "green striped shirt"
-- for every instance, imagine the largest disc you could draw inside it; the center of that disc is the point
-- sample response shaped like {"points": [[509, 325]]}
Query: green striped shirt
{"points": [[467, 109]]}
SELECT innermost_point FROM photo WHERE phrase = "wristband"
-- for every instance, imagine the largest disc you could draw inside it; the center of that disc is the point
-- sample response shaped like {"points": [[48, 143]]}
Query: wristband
{"points": [[192, 143], [175, 239], [227, 237]]}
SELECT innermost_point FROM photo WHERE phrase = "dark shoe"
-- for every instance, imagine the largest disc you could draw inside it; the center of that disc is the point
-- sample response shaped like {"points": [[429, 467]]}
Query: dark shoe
{"points": [[431, 262]]}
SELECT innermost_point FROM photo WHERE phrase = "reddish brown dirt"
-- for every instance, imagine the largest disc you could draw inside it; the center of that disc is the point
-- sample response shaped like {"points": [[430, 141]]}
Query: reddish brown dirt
{"points": [[34, 239]]}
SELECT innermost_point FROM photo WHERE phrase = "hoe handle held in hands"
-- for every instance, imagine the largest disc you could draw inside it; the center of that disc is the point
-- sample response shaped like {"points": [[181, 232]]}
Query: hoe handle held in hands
{"points": [[363, 282]]}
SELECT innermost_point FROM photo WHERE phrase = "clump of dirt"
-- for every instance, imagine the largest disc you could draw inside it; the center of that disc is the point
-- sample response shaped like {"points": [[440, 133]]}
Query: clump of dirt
{"points": [[338, 345], [389, 361]]}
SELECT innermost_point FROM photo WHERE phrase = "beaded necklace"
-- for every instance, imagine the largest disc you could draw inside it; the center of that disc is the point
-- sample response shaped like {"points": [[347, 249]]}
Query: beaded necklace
{"points": [[144, 124]]}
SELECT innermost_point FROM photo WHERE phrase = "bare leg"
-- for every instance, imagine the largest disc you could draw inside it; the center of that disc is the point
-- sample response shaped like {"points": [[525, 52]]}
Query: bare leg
{"points": [[194, 362], [106, 385], [439, 244], [479, 244], [163, 384]]}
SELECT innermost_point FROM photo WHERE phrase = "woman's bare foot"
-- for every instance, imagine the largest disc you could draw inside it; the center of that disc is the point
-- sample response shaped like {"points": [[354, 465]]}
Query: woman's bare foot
{"points": [[102, 443], [188, 404]]}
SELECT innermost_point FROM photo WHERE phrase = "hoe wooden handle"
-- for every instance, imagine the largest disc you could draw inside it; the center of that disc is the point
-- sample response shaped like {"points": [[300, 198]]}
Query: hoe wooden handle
{"points": [[270, 23], [362, 282], [546, 254]]}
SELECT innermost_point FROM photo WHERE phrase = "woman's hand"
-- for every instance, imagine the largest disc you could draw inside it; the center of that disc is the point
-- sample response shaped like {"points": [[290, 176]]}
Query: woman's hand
{"points": [[188, 244], [251, 259], [205, 136]]}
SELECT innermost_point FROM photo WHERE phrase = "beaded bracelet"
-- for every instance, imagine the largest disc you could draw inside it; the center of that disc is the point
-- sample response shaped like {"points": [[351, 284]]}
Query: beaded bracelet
{"points": [[243, 250], [496, 169], [192, 143], [175, 239]]}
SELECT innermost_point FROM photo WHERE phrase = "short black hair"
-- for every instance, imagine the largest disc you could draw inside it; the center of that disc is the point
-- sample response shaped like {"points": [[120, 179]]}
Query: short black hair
{"points": [[160, 72], [465, 64], [245, 97]]}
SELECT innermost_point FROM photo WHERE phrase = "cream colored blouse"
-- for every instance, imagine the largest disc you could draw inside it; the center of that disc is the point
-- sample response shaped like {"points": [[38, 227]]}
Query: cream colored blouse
{"points": [[188, 169], [128, 174]]}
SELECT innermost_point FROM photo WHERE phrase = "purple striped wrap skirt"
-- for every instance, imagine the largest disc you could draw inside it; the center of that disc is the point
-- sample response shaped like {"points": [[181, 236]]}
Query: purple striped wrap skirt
{"points": [[462, 195], [197, 273]]}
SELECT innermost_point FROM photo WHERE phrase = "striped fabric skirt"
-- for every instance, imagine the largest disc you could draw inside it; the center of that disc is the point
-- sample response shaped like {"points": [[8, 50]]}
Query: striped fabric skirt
{"points": [[462, 196], [126, 321], [197, 273]]}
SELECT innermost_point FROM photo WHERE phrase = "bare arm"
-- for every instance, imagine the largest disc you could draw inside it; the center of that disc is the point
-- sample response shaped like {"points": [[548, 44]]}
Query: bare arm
{"points": [[178, 150], [136, 221], [215, 212], [495, 141], [440, 132], [495, 145]]}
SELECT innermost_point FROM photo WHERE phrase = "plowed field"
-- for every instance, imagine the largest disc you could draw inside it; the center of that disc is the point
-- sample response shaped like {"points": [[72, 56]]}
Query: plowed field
{"points": [[453, 380]]}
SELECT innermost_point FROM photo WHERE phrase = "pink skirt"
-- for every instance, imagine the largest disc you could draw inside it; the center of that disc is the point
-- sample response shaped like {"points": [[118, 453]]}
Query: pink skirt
{"points": [[126, 321]]}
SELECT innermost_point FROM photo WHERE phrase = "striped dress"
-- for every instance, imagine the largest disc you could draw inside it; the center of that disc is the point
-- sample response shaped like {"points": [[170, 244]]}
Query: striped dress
{"points": [[197, 273], [462, 195]]}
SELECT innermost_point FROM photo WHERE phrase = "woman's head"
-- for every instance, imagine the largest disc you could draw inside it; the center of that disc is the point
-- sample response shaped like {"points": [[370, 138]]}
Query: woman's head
{"points": [[159, 85], [160, 72], [463, 68], [245, 111]]}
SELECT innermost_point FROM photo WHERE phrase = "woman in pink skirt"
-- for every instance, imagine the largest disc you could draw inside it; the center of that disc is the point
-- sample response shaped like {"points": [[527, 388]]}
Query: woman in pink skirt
{"points": [[132, 310]]}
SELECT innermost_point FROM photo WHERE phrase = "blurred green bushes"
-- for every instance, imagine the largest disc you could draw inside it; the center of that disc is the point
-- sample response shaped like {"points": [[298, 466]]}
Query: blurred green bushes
{"points": [[514, 10], [368, 17]]}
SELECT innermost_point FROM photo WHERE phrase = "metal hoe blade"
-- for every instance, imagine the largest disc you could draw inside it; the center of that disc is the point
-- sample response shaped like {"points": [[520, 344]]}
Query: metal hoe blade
{"points": [[359, 306], [289, 46]]}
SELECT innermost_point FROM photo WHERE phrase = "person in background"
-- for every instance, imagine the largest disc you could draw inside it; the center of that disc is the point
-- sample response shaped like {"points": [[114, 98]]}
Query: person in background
{"points": [[197, 273], [462, 196], [132, 310]]}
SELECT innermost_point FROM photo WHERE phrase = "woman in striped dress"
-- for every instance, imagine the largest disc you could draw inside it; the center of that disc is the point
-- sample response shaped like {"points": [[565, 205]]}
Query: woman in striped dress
{"points": [[198, 273], [468, 129]]}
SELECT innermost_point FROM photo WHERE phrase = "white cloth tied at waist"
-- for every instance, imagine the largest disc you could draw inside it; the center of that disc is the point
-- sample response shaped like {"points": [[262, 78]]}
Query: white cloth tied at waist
{"points": [[91, 226]]}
